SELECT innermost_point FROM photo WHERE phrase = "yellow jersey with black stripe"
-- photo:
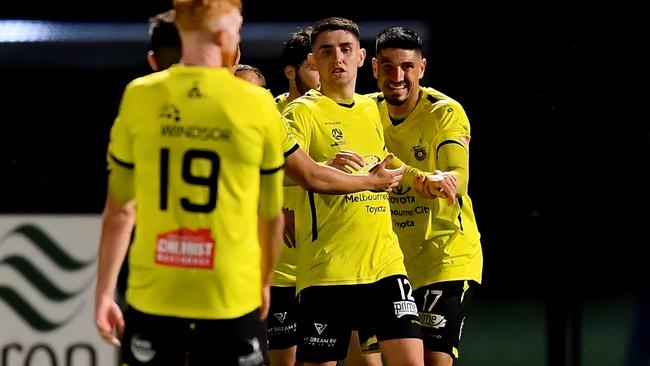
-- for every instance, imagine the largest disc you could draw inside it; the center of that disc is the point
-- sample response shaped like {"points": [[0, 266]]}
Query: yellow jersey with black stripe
{"points": [[440, 242], [198, 140], [284, 273], [349, 237]]}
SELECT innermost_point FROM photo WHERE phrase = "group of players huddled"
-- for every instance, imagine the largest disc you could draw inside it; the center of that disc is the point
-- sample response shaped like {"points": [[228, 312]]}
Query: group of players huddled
{"points": [[369, 242]]}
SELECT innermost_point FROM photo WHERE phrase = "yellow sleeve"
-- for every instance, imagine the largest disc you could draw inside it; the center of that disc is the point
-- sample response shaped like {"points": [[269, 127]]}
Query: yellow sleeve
{"points": [[299, 118], [452, 157], [274, 139], [454, 125], [290, 143], [410, 173], [121, 185], [271, 173], [120, 149]]}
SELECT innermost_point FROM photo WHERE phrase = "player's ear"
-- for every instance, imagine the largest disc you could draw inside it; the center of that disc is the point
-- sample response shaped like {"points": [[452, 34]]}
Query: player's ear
{"points": [[312, 60], [218, 37], [423, 66], [290, 72], [375, 68], [362, 56], [151, 59]]}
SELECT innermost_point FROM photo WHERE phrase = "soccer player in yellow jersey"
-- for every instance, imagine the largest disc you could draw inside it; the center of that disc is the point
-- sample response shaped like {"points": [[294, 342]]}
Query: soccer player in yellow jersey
{"points": [[350, 272], [200, 153], [281, 323], [440, 241], [302, 75], [282, 331]]}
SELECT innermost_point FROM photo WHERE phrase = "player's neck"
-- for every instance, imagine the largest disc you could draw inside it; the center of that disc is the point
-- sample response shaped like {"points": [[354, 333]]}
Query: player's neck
{"points": [[400, 112], [339, 93], [201, 54], [293, 92]]}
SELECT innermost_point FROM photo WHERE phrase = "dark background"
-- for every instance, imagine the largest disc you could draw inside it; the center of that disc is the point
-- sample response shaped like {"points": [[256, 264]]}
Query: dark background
{"points": [[551, 91]]}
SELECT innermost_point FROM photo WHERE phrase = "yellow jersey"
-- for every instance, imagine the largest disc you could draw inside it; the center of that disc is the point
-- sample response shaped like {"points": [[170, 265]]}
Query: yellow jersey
{"points": [[349, 238], [198, 139], [440, 242]]}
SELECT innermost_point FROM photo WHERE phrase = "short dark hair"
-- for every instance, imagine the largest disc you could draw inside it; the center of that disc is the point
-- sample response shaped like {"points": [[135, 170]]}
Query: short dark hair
{"points": [[258, 72], [398, 37], [297, 47], [334, 24], [164, 39]]}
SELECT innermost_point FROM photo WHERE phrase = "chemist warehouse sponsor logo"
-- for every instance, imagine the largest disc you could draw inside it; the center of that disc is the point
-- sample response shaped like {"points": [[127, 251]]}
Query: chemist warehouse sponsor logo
{"points": [[37, 316]]}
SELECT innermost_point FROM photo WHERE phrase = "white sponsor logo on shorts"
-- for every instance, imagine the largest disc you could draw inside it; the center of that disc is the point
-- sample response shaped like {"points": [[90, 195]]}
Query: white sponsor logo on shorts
{"points": [[430, 320], [320, 327], [253, 358], [280, 316], [405, 308], [320, 342], [142, 349]]}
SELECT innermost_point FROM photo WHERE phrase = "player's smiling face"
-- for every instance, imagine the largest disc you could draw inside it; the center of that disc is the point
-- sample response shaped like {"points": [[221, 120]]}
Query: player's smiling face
{"points": [[398, 72]]}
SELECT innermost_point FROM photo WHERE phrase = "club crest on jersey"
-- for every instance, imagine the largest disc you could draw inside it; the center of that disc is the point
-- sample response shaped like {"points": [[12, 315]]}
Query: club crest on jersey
{"points": [[419, 151], [170, 112], [195, 92]]}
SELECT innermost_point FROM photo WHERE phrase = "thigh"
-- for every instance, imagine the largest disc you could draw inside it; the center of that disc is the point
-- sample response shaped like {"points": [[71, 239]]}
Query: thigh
{"points": [[227, 341], [391, 312], [151, 340], [443, 308], [324, 322], [282, 319]]}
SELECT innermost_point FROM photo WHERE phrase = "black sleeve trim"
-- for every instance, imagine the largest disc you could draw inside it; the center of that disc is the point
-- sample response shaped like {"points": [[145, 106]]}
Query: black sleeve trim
{"points": [[314, 219], [460, 221], [122, 163], [447, 142], [432, 99], [292, 150], [270, 171]]}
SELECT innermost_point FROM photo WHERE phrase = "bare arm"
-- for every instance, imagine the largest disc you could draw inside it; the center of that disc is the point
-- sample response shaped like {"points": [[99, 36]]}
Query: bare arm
{"points": [[117, 224], [324, 179]]}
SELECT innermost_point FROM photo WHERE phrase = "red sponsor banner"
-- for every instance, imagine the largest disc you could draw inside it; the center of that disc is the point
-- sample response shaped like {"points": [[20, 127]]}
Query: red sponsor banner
{"points": [[186, 248]]}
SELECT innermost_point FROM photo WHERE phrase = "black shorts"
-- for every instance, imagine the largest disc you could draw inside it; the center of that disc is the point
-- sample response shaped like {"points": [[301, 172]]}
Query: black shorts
{"points": [[443, 308], [282, 319], [327, 315], [151, 340]]}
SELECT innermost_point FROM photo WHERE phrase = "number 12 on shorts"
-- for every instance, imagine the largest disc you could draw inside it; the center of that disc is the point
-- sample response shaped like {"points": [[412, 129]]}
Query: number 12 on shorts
{"points": [[405, 282]]}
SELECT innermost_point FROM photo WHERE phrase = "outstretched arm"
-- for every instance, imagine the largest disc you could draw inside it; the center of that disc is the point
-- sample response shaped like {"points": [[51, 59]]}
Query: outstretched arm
{"points": [[428, 185], [324, 179]]}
